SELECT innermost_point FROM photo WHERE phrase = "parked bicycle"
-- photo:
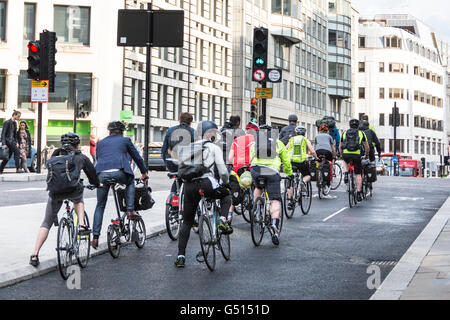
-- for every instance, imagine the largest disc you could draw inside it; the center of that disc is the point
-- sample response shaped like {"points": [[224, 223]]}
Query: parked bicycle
{"points": [[174, 207], [122, 230], [301, 196], [71, 242], [211, 238]]}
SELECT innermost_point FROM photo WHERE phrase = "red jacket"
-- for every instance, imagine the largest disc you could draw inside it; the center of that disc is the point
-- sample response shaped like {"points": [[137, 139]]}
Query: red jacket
{"points": [[93, 147]]}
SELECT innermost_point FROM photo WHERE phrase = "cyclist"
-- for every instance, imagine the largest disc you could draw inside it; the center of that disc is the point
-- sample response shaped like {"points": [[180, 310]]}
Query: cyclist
{"points": [[298, 148], [324, 143], [372, 139], [240, 153], [350, 149], [267, 156], [114, 155], [333, 131], [206, 134], [70, 143], [288, 131]]}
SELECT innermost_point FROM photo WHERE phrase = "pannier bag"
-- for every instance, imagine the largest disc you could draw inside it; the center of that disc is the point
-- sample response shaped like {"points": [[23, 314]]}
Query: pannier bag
{"points": [[371, 172], [325, 169], [236, 191], [142, 198], [313, 170]]}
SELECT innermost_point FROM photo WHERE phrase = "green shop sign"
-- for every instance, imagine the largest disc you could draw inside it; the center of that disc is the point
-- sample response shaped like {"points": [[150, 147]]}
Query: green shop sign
{"points": [[126, 116]]}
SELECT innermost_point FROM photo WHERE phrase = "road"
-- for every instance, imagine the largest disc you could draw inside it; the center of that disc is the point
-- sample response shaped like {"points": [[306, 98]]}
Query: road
{"points": [[321, 255]]}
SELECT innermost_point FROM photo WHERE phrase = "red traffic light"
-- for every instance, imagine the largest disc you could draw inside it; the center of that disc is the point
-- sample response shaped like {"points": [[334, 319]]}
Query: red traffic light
{"points": [[33, 46], [253, 101]]}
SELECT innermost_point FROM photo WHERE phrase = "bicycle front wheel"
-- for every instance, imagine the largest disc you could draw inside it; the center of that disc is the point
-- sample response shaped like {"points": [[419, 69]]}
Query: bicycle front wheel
{"points": [[113, 239], [306, 199], [139, 233], [207, 241], [257, 221], [64, 247], [337, 176], [84, 245]]}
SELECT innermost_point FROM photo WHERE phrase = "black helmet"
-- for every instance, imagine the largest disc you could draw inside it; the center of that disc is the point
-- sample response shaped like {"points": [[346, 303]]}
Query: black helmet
{"points": [[330, 121], [364, 125], [203, 127], [116, 125], [70, 139], [293, 117], [265, 127], [354, 123]]}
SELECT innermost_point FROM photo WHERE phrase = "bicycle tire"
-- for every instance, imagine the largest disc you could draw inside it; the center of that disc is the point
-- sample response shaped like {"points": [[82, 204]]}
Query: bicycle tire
{"points": [[113, 239], [280, 226], [336, 178], [207, 241], [84, 241], [172, 226], [225, 245], [64, 245], [139, 226], [290, 213], [247, 205], [305, 202], [257, 227], [319, 185]]}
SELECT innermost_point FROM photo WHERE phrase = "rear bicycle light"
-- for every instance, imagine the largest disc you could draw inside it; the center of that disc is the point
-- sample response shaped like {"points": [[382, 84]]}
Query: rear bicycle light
{"points": [[115, 221], [175, 202]]}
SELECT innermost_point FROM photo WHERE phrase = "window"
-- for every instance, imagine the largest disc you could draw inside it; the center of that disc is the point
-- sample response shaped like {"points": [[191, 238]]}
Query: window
{"points": [[416, 146], [2, 89], [381, 122], [381, 93], [395, 93], [2, 20], [332, 37], [396, 67], [382, 145], [285, 7], [381, 66], [362, 93], [362, 42], [29, 21], [282, 55], [400, 145], [72, 24], [392, 42], [416, 121], [66, 87], [362, 67]]}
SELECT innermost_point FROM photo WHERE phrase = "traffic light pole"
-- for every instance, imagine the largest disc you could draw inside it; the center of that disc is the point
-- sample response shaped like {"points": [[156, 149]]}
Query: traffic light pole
{"points": [[262, 117], [39, 139], [147, 87], [75, 112]]}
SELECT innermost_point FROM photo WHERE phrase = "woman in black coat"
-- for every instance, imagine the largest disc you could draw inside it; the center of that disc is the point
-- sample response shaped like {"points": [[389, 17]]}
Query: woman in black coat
{"points": [[24, 141]]}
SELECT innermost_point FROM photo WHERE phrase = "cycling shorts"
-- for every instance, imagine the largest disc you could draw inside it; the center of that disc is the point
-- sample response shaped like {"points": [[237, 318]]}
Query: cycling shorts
{"points": [[355, 159], [328, 155], [272, 178], [303, 167]]}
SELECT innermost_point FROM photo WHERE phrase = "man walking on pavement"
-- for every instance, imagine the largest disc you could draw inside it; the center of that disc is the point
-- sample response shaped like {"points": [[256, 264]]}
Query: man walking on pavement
{"points": [[9, 139], [289, 131]]}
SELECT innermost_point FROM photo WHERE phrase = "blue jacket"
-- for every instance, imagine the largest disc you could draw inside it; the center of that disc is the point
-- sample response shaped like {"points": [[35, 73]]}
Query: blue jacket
{"points": [[337, 137], [166, 145], [116, 152]]}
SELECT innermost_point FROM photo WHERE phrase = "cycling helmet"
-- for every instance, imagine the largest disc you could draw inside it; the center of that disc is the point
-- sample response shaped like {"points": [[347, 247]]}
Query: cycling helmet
{"points": [[116, 125], [323, 128], [319, 122], [206, 130], [70, 139], [354, 123], [330, 121], [293, 118], [364, 125], [300, 130]]}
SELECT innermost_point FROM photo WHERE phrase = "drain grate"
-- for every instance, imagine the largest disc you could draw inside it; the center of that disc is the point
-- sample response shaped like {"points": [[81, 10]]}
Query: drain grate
{"points": [[384, 263]]}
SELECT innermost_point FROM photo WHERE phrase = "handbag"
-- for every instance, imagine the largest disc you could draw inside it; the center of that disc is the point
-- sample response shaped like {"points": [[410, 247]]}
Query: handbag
{"points": [[142, 198], [4, 153]]}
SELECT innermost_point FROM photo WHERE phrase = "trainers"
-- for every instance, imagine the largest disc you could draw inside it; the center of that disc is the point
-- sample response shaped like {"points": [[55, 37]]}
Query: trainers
{"points": [[179, 263], [225, 227], [275, 236]]}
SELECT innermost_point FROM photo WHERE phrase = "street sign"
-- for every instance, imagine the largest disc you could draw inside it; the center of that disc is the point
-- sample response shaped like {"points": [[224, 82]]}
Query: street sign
{"points": [[259, 75], [394, 159], [126, 115], [274, 75], [39, 91], [263, 93]]}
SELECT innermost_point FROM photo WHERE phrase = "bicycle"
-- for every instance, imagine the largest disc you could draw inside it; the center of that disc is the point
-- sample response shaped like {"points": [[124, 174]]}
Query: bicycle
{"points": [[174, 206], [366, 185], [245, 206], [120, 231], [351, 187], [211, 238], [337, 176], [299, 197], [260, 219], [70, 241]]}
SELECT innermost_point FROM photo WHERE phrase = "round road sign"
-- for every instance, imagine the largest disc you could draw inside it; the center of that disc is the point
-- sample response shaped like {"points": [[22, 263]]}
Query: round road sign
{"points": [[259, 75], [274, 75]]}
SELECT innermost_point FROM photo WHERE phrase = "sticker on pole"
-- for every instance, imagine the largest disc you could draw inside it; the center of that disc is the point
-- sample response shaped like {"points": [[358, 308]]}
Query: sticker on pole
{"points": [[39, 91], [259, 75]]}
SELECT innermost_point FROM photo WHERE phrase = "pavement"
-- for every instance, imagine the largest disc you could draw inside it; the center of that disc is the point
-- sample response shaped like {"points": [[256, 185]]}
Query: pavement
{"points": [[11, 176]]}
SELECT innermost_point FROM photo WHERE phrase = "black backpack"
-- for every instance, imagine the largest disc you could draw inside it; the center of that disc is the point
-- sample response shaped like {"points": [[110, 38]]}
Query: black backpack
{"points": [[351, 141], [63, 173], [191, 161], [266, 144]]}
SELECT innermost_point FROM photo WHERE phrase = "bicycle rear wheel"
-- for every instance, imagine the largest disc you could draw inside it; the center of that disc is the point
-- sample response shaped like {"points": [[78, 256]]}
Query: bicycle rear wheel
{"points": [[64, 247], [293, 202], [247, 205], [139, 232], [207, 242], [305, 202], [257, 221], [172, 222], [84, 245], [113, 239], [337, 176], [225, 245]]}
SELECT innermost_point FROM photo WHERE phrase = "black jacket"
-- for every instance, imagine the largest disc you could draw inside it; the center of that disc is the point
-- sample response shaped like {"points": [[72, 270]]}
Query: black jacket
{"points": [[229, 132], [372, 140], [28, 141], [286, 133], [9, 132]]}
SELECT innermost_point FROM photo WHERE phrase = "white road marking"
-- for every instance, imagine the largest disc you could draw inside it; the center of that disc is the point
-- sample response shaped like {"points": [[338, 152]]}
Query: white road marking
{"points": [[408, 198], [334, 214], [27, 189]]}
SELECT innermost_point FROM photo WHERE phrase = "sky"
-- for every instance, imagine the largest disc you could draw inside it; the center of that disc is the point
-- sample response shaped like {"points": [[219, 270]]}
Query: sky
{"points": [[434, 13]]}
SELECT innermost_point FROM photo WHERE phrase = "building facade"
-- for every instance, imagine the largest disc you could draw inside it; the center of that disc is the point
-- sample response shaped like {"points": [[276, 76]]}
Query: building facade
{"points": [[89, 65], [196, 78], [399, 62]]}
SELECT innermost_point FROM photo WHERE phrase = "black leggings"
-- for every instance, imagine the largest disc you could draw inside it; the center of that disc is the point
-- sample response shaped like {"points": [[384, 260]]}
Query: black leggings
{"points": [[191, 200]]}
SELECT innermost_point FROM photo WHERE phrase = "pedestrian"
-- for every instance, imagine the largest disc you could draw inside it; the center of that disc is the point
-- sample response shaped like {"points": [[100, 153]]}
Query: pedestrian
{"points": [[9, 139], [24, 141], [93, 149]]}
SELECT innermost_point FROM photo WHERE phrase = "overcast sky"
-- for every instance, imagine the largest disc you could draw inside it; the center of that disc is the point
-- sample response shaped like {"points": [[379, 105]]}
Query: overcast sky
{"points": [[435, 13]]}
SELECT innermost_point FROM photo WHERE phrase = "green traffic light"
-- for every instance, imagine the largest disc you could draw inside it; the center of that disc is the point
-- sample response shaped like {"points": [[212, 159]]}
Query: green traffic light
{"points": [[259, 61]]}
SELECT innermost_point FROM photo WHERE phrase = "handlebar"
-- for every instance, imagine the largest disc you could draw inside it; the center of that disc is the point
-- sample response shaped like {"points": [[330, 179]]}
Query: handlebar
{"points": [[90, 187]]}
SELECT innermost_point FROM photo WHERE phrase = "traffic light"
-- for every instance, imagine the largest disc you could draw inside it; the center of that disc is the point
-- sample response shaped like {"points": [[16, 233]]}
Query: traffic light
{"points": [[82, 111], [253, 110], [48, 42], [395, 117], [423, 163], [260, 45], [34, 60]]}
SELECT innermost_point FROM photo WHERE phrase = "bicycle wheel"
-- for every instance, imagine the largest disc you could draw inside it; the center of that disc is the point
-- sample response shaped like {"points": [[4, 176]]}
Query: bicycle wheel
{"points": [[319, 185], [337, 176], [113, 239], [280, 226], [305, 202], [139, 233], [247, 205], [257, 221], [172, 222], [64, 247], [84, 245], [207, 241], [224, 245], [293, 202]]}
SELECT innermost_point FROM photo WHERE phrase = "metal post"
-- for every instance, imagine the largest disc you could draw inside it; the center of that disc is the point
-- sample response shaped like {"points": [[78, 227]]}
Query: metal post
{"points": [[75, 112], [394, 120], [39, 138], [262, 118], [147, 85]]}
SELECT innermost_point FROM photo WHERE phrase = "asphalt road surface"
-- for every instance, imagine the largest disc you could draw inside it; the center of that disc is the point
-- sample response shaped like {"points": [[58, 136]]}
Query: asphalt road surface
{"points": [[320, 256]]}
